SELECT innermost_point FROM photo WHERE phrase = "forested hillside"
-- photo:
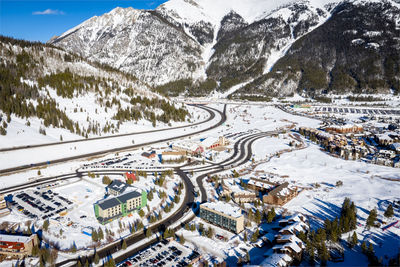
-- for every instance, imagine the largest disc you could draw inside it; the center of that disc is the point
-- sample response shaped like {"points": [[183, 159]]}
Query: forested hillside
{"points": [[356, 51], [259, 48], [56, 89]]}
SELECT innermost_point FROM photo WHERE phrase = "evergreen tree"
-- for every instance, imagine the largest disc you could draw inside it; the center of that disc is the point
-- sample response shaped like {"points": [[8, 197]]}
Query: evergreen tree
{"points": [[106, 180], [100, 233], [364, 247], [96, 258], [148, 232], [35, 250], [271, 215], [389, 211], [370, 249], [354, 240], [181, 239], [95, 237], [46, 225], [245, 237], [141, 213], [372, 217], [312, 256], [257, 217], [111, 262], [247, 256], [210, 232], [324, 254], [302, 236], [255, 235], [124, 244], [150, 195]]}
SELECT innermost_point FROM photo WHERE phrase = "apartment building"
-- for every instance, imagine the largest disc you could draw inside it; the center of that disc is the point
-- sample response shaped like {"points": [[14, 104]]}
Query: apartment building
{"points": [[17, 246], [109, 209], [223, 215]]}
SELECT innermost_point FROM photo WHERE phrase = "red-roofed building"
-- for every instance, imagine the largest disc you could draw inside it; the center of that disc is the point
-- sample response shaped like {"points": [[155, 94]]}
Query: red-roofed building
{"points": [[149, 155], [130, 176], [17, 246]]}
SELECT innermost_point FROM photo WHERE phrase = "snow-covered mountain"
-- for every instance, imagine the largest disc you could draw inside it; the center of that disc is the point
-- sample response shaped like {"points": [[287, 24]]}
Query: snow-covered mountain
{"points": [[48, 94], [228, 42]]}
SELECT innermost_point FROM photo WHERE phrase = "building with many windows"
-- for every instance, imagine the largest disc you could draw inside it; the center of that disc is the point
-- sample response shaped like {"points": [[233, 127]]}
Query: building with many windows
{"points": [[117, 188], [109, 209], [223, 215], [17, 245]]}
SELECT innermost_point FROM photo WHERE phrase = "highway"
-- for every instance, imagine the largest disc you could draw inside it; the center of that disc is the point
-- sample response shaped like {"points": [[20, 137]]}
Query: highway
{"points": [[109, 136], [212, 112], [242, 154]]}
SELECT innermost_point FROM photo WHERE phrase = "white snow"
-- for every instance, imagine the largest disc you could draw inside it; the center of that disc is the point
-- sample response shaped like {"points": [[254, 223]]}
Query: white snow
{"points": [[224, 208]]}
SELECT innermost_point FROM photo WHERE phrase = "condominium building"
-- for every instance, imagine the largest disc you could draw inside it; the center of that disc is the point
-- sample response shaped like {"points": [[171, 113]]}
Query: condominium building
{"points": [[17, 245], [109, 209], [117, 188], [223, 215], [280, 195]]}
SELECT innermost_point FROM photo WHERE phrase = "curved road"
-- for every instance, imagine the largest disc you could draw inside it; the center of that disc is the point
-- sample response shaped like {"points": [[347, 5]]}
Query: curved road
{"points": [[209, 109], [244, 156], [109, 136], [240, 156]]}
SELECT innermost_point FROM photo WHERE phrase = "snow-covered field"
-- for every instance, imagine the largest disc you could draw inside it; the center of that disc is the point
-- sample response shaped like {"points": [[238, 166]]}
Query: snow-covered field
{"points": [[19, 134], [307, 167], [66, 229], [363, 183], [11, 159]]}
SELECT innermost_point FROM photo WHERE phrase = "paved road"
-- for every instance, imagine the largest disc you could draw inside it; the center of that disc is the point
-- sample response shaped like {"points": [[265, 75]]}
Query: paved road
{"points": [[245, 156], [209, 109], [156, 228], [242, 154], [107, 137], [239, 147]]}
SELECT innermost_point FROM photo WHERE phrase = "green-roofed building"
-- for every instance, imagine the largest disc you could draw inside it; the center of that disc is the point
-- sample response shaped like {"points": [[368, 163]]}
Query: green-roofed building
{"points": [[111, 208]]}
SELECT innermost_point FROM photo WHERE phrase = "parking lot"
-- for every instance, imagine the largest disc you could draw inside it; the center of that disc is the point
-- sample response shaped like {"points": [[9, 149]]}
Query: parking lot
{"points": [[163, 253], [40, 203], [351, 110]]}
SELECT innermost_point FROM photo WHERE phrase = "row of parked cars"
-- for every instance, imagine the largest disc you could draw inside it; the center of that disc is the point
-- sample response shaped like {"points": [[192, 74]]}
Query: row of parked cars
{"points": [[38, 202], [159, 255]]}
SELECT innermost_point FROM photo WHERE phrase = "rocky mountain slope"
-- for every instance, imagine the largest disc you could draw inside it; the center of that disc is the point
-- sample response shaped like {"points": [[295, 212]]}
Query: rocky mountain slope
{"points": [[46, 89], [267, 47], [357, 50]]}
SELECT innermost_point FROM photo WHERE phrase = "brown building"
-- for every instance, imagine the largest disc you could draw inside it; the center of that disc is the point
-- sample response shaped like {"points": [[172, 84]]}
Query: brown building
{"points": [[280, 195], [344, 129], [17, 246], [149, 155], [290, 245], [174, 153], [260, 185], [245, 197]]}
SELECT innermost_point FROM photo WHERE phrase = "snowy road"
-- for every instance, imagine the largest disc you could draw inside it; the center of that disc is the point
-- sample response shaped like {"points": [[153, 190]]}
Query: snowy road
{"points": [[39, 156]]}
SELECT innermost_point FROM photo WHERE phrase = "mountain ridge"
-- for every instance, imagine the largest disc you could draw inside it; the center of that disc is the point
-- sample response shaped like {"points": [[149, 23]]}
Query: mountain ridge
{"points": [[194, 41]]}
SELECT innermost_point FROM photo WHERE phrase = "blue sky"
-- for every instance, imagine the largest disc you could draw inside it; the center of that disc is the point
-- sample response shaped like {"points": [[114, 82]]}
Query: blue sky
{"points": [[41, 20]]}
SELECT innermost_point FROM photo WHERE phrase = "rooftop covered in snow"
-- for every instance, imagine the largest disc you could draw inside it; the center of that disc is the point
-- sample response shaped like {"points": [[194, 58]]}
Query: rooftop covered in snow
{"points": [[224, 208]]}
